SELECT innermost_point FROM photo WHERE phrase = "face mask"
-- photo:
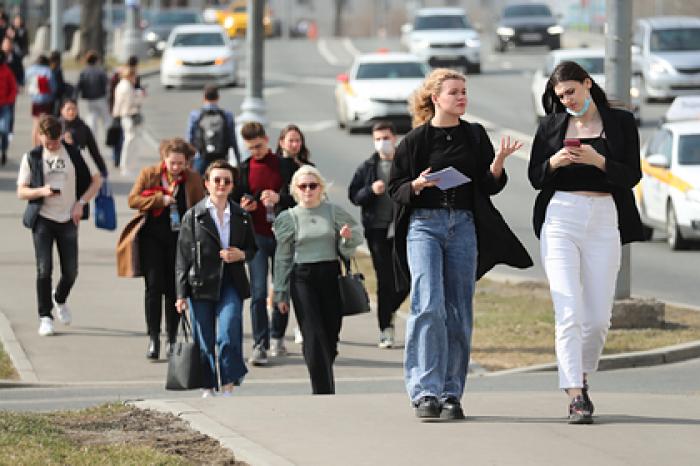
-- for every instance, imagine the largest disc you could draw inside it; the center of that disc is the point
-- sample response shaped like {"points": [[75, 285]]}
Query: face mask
{"points": [[586, 105], [384, 146]]}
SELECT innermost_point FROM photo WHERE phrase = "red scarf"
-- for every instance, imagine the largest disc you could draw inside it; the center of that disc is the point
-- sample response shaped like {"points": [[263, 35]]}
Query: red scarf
{"points": [[166, 177]]}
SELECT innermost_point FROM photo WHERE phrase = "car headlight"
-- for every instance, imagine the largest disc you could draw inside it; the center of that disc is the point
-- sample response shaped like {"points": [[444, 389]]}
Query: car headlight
{"points": [[229, 22], [634, 92], [504, 31], [554, 30], [221, 60], [151, 36], [177, 62], [659, 67], [473, 42], [693, 195]]}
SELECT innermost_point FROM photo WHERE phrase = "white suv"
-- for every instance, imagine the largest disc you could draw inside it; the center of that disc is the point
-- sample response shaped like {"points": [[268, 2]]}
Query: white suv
{"points": [[444, 37], [667, 50]]}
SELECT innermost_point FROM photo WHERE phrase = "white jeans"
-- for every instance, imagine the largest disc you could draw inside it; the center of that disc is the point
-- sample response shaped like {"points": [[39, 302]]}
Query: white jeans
{"points": [[580, 246], [133, 141], [97, 110]]}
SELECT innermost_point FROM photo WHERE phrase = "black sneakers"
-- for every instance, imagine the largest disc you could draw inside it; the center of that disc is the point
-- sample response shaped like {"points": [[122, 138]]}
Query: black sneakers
{"points": [[451, 410], [586, 398], [579, 412], [427, 407]]}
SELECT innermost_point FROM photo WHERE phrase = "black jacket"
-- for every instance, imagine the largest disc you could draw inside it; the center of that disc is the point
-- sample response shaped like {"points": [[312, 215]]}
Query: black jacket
{"points": [[496, 243], [92, 83], [360, 190], [287, 168], [622, 167], [202, 279], [84, 139]]}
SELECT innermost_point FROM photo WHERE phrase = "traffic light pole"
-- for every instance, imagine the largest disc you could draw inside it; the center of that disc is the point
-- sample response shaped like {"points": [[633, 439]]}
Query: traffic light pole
{"points": [[253, 106]]}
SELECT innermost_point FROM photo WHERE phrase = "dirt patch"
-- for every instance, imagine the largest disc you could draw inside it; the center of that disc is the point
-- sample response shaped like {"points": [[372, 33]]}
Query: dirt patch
{"points": [[168, 434]]}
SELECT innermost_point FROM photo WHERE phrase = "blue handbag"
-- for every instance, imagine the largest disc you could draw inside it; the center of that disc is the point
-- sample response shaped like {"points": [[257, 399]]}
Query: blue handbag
{"points": [[105, 211]]}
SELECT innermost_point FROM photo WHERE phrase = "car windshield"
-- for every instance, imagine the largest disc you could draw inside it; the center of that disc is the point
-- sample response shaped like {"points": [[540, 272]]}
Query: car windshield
{"points": [[675, 40], [593, 65], [441, 22], [526, 10], [164, 18], [391, 70], [198, 39], [689, 149]]}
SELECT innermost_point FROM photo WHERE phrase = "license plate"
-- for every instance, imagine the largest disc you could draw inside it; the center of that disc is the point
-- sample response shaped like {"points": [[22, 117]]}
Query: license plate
{"points": [[531, 36]]}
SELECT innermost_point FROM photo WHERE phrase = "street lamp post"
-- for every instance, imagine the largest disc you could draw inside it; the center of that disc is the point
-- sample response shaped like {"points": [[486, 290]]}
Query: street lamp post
{"points": [[132, 40], [57, 25], [253, 106]]}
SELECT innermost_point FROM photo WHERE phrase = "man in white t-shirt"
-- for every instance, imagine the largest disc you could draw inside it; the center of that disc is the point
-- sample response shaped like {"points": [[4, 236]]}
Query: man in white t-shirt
{"points": [[58, 183]]}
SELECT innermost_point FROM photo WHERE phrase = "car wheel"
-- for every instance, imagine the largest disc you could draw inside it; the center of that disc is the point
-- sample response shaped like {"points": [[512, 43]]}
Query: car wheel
{"points": [[500, 46], [168, 87], [674, 238], [341, 124]]}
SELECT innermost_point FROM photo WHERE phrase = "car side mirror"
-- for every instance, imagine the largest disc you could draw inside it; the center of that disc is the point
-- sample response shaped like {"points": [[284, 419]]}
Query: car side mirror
{"points": [[342, 78], [659, 161]]}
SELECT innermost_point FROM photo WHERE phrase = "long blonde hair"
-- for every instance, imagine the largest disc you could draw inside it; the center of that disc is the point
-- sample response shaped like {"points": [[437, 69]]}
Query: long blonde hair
{"points": [[421, 102]]}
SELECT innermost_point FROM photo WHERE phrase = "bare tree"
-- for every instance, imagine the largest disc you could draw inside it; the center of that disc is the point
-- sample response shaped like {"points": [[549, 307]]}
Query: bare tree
{"points": [[92, 36]]}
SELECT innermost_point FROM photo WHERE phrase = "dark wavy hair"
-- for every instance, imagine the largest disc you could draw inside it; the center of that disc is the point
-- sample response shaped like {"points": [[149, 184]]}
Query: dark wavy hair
{"points": [[570, 71], [304, 153]]}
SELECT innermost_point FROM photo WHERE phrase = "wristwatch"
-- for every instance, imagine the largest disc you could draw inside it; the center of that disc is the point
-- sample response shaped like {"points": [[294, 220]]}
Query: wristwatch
{"points": [[82, 202]]}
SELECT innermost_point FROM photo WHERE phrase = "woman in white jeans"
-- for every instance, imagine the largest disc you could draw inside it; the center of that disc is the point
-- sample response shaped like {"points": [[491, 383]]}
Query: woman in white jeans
{"points": [[127, 107], [585, 162]]}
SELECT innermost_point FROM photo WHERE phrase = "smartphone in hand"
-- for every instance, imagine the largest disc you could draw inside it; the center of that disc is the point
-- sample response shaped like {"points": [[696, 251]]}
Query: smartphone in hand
{"points": [[572, 142]]}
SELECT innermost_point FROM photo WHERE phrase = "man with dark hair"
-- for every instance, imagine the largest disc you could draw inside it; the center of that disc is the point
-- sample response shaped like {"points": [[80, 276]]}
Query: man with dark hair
{"points": [[92, 87], [368, 189], [58, 183], [212, 131], [258, 191]]}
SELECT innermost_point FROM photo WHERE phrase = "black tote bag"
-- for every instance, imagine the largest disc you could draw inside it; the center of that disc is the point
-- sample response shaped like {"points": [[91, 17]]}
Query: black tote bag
{"points": [[353, 294], [184, 364]]}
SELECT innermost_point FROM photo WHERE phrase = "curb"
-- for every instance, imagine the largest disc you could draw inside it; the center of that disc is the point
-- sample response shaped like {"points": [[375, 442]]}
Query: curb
{"points": [[14, 350], [242, 448]]}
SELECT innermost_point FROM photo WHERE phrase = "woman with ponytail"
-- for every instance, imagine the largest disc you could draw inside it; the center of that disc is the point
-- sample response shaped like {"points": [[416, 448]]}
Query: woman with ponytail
{"points": [[445, 239], [585, 162]]}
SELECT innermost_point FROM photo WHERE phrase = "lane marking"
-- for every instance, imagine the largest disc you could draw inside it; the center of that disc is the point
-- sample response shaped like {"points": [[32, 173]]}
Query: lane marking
{"points": [[308, 126], [296, 79], [350, 47], [325, 52]]}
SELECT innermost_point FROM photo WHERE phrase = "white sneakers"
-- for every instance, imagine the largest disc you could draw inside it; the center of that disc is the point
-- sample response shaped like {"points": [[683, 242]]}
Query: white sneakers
{"points": [[207, 393], [277, 348], [298, 337], [46, 326], [386, 338], [62, 310]]}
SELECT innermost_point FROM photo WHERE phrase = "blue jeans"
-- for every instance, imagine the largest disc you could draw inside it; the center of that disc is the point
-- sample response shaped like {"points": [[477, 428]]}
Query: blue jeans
{"points": [[441, 247], [258, 269], [220, 322]]}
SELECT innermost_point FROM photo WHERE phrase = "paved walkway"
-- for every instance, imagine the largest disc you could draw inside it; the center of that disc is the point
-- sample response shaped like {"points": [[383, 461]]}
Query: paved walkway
{"points": [[370, 423]]}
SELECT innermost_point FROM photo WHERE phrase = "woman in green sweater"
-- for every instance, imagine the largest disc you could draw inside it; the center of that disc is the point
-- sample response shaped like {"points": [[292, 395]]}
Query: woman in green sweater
{"points": [[309, 238]]}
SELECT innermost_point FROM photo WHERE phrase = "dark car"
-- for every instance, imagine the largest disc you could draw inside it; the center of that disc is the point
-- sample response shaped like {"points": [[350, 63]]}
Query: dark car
{"points": [[113, 16], [159, 23], [528, 24]]}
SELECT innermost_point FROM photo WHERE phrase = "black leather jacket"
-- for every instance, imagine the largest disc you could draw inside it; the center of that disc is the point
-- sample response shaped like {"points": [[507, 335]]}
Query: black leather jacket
{"points": [[201, 279]]}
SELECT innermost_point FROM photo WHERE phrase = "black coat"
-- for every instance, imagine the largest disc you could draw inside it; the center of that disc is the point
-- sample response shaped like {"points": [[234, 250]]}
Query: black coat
{"points": [[84, 139], [622, 166], [496, 243], [204, 242], [360, 190]]}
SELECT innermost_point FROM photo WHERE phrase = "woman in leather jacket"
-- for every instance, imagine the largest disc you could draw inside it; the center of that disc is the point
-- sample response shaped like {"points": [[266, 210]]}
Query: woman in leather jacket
{"points": [[216, 238]]}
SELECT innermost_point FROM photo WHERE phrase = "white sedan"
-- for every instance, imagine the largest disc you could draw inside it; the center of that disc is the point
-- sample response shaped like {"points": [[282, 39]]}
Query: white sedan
{"points": [[196, 55], [593, 61], [377, 88], [668, 196]]}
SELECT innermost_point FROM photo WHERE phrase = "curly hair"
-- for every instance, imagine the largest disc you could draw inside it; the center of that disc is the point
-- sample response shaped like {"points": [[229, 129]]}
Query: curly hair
{"points": [[177, 145], [421, 103]]}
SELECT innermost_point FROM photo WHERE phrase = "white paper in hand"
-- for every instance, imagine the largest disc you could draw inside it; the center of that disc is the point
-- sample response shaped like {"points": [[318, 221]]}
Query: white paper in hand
{"points": [[448, 178]]}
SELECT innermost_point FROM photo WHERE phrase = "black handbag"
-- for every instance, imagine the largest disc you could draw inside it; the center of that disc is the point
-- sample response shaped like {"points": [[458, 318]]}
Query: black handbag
{"points": [[184, 363], [353, 294], [114, 132]]}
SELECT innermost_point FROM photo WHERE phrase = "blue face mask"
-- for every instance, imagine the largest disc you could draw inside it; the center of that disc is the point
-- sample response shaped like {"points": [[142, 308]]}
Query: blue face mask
{"points": [[586, 105]]}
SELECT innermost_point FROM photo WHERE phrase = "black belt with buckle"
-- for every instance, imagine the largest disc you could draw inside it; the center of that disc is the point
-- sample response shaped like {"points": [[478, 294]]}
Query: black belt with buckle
{"points": [[448, 198]]}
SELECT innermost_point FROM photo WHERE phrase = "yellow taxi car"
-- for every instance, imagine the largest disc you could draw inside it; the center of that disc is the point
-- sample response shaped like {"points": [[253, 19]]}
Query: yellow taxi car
{"points": [[234, 19], [668, 196]]}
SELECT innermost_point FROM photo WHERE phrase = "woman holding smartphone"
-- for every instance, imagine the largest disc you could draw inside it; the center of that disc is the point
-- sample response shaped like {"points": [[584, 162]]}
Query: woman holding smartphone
{"points": [[585, 162]]}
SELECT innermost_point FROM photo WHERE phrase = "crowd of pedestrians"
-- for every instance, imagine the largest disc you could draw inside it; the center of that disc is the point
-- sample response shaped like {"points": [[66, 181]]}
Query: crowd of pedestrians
{"points": [[215, 229]]}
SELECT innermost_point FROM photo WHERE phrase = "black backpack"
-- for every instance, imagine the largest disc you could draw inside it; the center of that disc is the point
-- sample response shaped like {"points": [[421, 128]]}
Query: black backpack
{"points": [[211, 136]]}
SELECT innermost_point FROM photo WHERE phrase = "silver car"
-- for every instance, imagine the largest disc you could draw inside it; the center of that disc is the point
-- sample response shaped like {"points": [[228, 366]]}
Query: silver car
{"points": [[667, 52]]}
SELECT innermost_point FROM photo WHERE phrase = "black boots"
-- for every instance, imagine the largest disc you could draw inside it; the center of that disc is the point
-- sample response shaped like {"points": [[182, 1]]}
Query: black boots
{"points": [[153, 347]]}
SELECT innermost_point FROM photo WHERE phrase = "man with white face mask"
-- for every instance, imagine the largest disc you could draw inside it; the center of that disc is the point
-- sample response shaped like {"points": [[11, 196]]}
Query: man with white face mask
{"points": [[368, 189]]}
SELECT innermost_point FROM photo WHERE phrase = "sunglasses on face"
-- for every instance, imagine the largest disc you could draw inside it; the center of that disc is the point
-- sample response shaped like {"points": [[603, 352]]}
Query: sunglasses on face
{"points": [[305, 186], [224, 181]]}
